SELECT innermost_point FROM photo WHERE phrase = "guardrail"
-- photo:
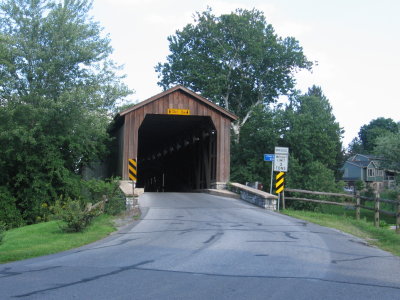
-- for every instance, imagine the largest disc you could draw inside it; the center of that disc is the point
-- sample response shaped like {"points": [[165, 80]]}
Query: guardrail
{"points": [[357, 205], [254, 196]]}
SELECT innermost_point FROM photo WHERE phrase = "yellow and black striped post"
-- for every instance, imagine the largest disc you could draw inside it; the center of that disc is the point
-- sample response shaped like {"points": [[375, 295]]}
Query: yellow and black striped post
{"points": [[279, 188], [132, 169], [280, 182]]}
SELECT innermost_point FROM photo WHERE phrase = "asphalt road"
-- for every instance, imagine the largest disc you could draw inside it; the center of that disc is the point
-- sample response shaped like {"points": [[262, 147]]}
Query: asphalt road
{"points": [[197, 246]]}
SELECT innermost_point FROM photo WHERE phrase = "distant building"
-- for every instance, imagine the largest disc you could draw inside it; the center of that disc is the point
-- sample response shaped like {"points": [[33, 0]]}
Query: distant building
{"points": [[366, 168]]}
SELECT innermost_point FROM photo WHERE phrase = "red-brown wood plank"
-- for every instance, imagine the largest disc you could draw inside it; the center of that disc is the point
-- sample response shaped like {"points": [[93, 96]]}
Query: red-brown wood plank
{"points": [[179, 100], [227, 165]]}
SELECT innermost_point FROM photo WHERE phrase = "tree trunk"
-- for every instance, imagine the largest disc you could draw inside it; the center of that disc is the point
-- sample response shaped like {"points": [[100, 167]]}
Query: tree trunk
{"points": [[236, 126]]}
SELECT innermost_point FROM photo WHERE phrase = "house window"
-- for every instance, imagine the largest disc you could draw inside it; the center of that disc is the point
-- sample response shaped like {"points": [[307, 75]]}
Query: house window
{"points": [[371, 172]]}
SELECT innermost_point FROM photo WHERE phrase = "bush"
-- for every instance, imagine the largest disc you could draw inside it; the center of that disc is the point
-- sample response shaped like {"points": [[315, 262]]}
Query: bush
{"points": [[390, 194], [96, 190], [74, 215], [3, 229], [359, 185], [9, 214], [313, 176]]}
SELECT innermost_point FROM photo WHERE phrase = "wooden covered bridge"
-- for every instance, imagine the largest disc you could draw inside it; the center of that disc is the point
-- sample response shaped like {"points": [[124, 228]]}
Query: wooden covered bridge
{"points": [[180, 139]]}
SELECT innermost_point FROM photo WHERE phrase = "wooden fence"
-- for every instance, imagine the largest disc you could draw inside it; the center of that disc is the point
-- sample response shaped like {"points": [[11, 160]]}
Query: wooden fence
{"points": [[354, 201]]}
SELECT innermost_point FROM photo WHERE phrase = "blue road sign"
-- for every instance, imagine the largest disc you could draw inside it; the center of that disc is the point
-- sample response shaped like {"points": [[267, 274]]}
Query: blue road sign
{"points": [[269, 157]]}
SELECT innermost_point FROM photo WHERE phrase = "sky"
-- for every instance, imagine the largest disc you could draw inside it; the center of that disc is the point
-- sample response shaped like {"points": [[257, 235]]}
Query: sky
{"points": [[356, 44]]}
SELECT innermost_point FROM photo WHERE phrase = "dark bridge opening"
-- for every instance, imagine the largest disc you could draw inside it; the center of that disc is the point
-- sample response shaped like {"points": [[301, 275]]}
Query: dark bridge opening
{"points": [[176, 153]]}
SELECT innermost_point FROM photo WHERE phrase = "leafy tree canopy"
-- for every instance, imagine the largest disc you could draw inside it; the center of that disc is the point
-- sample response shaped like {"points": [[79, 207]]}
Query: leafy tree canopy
{"points": [[258, 136], [388, 147], [311, 130], [236, 60], [368, 134], [308, 127], [58, 86]]}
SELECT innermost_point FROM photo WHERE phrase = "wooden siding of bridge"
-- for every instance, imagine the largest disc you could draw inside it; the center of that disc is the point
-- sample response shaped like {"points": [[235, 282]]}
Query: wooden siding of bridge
{"points": [[179, 98]]}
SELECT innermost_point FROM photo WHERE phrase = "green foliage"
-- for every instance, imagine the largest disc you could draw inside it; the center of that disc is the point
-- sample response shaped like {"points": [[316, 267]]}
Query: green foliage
{"points": [[9, 213], [360, 185], [3, 229], [258, 136], [314, 139], [58, 87], [313, 176], [311, 131], [307, 126], [369, 192], [368, 135], [98, 190], [236, 60], [47, 238], [388, 147], [390, 194], [355, 147], [74, 215], [336, 218]]}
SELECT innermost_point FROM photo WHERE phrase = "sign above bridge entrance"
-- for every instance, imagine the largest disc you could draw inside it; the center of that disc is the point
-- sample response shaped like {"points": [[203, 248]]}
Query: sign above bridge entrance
{"points": [[175, 111]]}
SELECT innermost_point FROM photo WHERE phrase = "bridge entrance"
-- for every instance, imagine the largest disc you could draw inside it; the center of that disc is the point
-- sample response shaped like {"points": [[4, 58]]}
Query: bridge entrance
{"points": [[176, 153], [181, 142]]}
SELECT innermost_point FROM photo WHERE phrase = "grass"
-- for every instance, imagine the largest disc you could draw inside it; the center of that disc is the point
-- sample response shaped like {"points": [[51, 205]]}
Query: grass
{"points": [[344, 220], [47, 238]]}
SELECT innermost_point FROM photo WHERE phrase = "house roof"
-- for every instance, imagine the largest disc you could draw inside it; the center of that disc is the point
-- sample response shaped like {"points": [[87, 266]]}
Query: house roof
{"points": [[360, 163], [201, 99], [358, 157], [371, 160]]}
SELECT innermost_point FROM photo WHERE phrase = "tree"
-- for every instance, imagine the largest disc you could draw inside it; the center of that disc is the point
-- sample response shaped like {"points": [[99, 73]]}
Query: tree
{"points": [[313, 136], [58, 89], [368, 134], [236, 60], [388, 147], [258, 136], [308, 127], [311, 130], [354, 147]]}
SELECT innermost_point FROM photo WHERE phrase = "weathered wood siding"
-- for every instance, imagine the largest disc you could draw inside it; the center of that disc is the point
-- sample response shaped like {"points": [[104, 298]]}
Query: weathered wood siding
{"points": [[181, 100]]}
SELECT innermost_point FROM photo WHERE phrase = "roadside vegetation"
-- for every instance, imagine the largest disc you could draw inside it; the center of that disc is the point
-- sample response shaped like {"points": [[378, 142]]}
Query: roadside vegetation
{"points": [[69, 223], [59, 90], [48, 238], [344, 220]]}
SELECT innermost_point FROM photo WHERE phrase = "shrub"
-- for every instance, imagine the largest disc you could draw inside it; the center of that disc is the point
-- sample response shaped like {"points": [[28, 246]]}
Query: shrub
{"points": [[96, 190], [10, 216], [3, 229], [74, 215], [390, 194], [359, 185], [313, 176]]}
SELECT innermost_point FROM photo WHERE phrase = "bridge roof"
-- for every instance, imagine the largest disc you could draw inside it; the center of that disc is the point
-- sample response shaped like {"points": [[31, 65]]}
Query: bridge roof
{"points": [[181, 88]]}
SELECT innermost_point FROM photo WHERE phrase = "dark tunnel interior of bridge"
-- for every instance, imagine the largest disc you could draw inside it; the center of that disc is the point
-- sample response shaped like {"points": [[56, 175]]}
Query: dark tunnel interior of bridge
{"points": [[176, 153]]}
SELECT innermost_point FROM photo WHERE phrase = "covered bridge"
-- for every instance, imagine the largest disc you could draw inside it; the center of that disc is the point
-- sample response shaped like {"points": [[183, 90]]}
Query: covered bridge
{"points": [[180, 139]]}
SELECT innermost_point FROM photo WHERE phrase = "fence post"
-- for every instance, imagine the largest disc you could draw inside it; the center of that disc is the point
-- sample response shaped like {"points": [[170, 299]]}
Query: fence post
{"points": [[376, 219], [398, 216], [358, 206]]}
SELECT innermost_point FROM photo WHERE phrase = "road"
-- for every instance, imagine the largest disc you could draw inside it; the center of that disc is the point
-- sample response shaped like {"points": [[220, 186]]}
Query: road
{"points": [[197, 246]]}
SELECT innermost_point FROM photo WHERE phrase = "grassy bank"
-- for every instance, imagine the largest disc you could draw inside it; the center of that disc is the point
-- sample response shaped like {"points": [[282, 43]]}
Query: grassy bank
{"points": [[383, 237], [47, 238]]}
